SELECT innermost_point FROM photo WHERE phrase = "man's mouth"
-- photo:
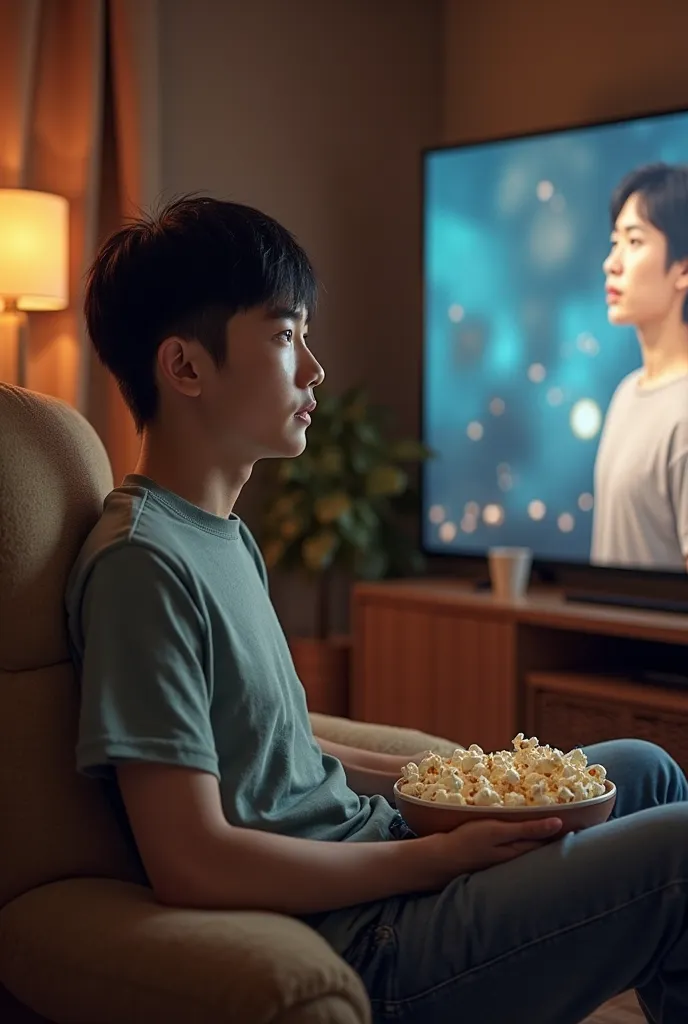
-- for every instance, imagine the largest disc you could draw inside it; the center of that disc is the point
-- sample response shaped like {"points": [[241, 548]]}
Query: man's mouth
{"points": [[613, 295], [305, 411]]}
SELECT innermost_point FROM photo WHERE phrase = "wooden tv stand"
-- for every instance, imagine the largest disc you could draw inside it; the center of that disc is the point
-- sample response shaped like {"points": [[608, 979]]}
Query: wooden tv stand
{"points": [[443, 657]]}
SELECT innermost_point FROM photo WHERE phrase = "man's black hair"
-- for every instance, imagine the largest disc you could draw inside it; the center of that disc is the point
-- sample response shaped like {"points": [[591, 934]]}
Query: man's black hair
{"points": [[663, 193], [185, 271]]}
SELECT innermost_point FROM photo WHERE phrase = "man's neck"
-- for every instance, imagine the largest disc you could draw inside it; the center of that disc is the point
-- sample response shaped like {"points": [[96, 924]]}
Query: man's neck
{"points": [[213, 488], [664, 350]]}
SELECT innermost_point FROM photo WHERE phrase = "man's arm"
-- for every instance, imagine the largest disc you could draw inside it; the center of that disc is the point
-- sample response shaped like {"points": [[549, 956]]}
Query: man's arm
{"points": [[367, 771], [195, 858], [391, 764]]}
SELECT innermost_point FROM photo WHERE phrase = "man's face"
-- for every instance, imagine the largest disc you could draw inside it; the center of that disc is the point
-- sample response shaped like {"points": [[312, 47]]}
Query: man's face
{"points": [[254, 405], [640, 289]]}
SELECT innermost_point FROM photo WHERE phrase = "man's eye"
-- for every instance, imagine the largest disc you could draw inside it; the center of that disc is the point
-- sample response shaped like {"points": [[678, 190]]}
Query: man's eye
{"points": [[286, 335]]}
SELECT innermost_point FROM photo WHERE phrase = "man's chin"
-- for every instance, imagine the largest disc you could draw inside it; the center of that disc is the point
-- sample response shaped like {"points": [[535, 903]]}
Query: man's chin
{"points": [[616, 317], [291, 447]]}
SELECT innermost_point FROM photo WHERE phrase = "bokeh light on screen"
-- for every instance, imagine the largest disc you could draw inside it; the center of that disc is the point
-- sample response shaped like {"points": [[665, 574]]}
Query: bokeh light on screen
{"points": [[586, 419], [537, 510], [566, 522], [520, 360], [588, 344], [493, 515], [505, 481], [447, 532], [545, 191]]}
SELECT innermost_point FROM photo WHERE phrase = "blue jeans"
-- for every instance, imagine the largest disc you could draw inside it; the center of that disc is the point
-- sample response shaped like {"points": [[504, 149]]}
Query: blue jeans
{"points": [[548, 937]]}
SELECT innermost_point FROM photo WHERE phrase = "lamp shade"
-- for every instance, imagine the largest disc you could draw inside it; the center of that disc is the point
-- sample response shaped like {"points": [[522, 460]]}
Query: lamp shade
{"points": [[33, 249]]}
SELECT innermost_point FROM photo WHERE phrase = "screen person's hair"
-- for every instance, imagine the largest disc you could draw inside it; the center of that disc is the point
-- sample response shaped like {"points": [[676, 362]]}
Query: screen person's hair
{"points": [[184, 271], [663, 193]]}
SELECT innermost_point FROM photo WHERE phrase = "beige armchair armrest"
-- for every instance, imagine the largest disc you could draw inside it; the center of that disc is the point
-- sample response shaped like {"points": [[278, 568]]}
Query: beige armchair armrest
{"points": [[99, 951], [385, 739]]}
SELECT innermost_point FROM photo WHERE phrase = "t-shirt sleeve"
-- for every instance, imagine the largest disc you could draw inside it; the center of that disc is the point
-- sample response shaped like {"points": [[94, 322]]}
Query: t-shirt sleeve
{"points": [[144, 690], [678, 483]]}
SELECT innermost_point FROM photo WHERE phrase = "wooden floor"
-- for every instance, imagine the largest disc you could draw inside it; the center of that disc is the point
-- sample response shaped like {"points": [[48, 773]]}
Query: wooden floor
{"points": [[622, 1010]]}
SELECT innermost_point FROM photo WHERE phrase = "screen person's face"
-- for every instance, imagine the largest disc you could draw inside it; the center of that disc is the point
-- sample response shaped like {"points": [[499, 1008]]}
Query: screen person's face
{"points": [[640, 289]]}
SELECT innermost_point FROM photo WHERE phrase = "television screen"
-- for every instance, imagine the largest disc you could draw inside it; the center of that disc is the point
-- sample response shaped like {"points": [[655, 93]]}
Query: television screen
{"points": [[555, 385]]}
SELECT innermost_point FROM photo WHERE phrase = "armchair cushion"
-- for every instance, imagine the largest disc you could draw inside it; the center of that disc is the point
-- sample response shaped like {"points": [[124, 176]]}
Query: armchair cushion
{"points": [[98, 951], [385, 739]]}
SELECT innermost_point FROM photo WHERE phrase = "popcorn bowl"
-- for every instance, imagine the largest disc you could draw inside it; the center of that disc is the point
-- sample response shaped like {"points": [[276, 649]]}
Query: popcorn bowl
{"points": [[425, 817]]}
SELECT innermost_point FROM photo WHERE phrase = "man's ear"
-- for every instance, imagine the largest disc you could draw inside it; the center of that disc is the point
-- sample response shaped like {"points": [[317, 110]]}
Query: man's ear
{"points": [[179, 365], [682, 279]]}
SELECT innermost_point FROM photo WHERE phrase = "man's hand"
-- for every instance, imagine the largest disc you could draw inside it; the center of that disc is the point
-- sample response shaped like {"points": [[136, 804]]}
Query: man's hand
{"points": [[482, 844]]}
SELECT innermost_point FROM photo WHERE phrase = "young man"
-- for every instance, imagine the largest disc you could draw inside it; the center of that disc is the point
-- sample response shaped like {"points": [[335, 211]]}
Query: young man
{"points": [[192, 711], [641, 472]]}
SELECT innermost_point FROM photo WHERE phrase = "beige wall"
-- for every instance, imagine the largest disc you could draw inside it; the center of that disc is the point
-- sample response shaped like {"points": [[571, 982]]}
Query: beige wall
{"points": [[521, 65]]}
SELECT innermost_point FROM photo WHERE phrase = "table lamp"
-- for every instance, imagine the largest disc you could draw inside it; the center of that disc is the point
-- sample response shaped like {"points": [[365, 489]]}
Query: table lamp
{"points": [[34, 272]]}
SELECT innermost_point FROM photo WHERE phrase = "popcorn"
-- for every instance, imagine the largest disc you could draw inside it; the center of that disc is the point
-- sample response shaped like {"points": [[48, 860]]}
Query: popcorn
{"points": [[431, 765], [486, 796], [470, 761], [514, 800], [529, 775]]}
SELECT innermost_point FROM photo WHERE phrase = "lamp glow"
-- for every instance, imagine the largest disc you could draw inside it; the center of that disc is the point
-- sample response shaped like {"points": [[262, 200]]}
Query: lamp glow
{"points": [[33, 250]]}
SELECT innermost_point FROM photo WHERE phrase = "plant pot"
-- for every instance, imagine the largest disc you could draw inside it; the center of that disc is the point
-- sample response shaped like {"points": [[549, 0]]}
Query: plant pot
{"points": [[323, 668]]}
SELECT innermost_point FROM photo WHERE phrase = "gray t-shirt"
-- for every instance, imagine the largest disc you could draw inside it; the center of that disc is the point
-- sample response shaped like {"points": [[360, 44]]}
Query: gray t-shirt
{"points": [[182, 661], [641, 478]]}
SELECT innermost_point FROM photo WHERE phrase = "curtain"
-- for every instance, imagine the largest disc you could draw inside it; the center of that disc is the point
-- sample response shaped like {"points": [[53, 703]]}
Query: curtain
{"points": [[78, 116]]}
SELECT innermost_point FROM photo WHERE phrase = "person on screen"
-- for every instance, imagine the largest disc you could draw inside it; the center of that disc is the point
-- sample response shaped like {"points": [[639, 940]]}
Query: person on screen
{"points": [[641, 471]]}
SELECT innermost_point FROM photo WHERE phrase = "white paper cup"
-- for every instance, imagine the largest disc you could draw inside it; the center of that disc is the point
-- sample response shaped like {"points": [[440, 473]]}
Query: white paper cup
{"points": [[509, 571]]}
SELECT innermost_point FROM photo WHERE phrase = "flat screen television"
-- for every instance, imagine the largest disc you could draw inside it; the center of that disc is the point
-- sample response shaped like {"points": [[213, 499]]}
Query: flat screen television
{"points": [[555, 356]]}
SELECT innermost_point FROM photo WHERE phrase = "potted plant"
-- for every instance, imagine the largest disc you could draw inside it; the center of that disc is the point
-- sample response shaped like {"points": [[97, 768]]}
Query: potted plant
{"points": [[340, 506]]}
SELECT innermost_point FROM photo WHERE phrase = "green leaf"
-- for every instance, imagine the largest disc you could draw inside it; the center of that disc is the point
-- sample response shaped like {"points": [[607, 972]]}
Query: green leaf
{"points": [[367, 432], [372, 564], [288, 469], [295, 470], [410, 451], [362, 460], [332, 506], [366, 514], [355, 532], [273, 552], [291, 528], [385, 480], [318, 551], [331, 460]]}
